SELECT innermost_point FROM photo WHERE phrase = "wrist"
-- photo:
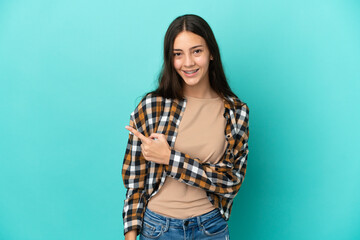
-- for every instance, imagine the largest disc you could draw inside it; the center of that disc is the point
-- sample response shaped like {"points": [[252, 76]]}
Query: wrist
{"points": [[167, 156]]}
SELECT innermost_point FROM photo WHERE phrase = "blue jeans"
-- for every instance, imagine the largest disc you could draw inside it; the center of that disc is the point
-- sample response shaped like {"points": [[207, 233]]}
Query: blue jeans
{"points": [[209, 226]]}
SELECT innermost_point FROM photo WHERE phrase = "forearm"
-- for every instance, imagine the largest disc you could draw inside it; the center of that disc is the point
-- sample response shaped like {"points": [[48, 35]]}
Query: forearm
{"points": [[223, 178], [133, 210], [131, 235]]}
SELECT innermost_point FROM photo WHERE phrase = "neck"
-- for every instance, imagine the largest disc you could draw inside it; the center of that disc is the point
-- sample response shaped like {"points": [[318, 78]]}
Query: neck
{"points": [[201, 90]]}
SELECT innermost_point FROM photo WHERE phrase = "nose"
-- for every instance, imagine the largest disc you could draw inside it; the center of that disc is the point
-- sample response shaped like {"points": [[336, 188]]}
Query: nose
{"points": [[189, 61]]}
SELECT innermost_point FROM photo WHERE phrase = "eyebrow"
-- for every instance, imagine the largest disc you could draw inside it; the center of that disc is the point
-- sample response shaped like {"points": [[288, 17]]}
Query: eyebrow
{"points": [[190, 48]]}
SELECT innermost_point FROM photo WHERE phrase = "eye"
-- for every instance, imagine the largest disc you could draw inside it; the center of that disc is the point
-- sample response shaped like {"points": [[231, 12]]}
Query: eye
{"points": [[198, 51], [177, 54]]}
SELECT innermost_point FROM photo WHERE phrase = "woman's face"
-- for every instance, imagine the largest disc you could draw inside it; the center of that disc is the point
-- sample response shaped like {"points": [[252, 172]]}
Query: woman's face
{"points": [[191, 58]]}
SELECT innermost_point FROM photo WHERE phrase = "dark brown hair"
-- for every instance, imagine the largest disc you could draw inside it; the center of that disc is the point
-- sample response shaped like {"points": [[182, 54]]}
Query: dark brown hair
{"points": [[170, 82]]}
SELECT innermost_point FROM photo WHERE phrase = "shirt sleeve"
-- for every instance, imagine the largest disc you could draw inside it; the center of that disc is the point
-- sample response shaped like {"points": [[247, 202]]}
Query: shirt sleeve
{"points": [[133, 174], [223, 178]]}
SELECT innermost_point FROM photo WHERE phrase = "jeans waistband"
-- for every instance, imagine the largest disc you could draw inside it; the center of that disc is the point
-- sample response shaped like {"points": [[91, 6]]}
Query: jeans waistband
{"points": [[174, 222]]}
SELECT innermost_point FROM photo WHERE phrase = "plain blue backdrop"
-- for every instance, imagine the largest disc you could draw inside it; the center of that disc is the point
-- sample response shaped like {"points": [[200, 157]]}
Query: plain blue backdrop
{"points": [[71, 72]]}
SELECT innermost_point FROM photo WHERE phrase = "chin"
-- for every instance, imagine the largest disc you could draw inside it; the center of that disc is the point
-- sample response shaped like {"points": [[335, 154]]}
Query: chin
{"points": [[191, 82]]}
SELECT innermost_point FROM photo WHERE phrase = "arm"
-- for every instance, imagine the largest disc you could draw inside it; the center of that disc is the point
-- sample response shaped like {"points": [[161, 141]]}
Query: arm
{"points": [[133, 174], [131, 235], [223, 178]]}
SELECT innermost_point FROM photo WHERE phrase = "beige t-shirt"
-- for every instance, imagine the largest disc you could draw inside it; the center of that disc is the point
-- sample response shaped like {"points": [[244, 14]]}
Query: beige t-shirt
{"points": [[201, 135]]}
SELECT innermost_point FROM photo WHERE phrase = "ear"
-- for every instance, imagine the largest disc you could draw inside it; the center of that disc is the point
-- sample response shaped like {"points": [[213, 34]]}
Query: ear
{"points": [[211, 58]]}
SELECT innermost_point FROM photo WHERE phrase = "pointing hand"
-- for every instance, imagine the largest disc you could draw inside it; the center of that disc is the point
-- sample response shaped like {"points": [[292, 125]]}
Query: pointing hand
{"points": [[154, 148]]}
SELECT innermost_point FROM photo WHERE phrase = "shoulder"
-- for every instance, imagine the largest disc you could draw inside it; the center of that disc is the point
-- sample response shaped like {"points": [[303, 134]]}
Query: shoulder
{"points": [[148, 103], [240, 111], [241, 116], [236, 104], [151, 98], [146, 114]]}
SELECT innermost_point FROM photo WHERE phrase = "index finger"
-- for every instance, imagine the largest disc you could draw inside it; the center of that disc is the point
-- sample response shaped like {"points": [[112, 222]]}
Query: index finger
{"points": [[137, 133]]}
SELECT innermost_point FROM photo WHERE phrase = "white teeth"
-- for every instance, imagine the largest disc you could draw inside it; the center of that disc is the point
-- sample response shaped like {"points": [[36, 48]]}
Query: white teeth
{"points": [[191, 71]]}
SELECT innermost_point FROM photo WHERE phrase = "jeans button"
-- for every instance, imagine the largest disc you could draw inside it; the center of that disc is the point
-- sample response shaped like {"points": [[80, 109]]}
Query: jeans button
{"points": [[186, 223]]}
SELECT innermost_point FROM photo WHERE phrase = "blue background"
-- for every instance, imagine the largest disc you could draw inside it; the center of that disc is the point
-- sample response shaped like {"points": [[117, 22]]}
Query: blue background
{"points": [[71, 72]]}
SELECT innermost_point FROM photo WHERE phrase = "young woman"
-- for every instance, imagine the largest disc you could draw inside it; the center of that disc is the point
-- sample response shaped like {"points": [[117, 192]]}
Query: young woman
{"points": [[188, 145]]}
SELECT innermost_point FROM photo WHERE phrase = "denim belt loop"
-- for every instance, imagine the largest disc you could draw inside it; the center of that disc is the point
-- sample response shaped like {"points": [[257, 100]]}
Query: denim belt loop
{"points": [[167, 223], [199, 222]]}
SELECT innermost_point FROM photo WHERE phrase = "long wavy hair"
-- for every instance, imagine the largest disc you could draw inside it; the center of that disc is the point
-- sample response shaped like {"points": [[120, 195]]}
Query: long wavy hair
{"points": [[170, 82]]}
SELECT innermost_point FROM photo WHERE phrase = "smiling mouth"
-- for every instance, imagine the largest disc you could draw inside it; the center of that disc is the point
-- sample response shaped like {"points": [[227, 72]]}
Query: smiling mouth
{"points": [[191, 72]]}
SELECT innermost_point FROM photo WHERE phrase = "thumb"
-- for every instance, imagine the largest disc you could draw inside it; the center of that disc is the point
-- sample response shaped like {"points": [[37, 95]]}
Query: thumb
{"points": [[157, 135]]}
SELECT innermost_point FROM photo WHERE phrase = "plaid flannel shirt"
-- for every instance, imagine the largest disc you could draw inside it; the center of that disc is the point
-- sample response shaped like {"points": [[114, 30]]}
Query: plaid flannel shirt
{"points": [[143, 179]]}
